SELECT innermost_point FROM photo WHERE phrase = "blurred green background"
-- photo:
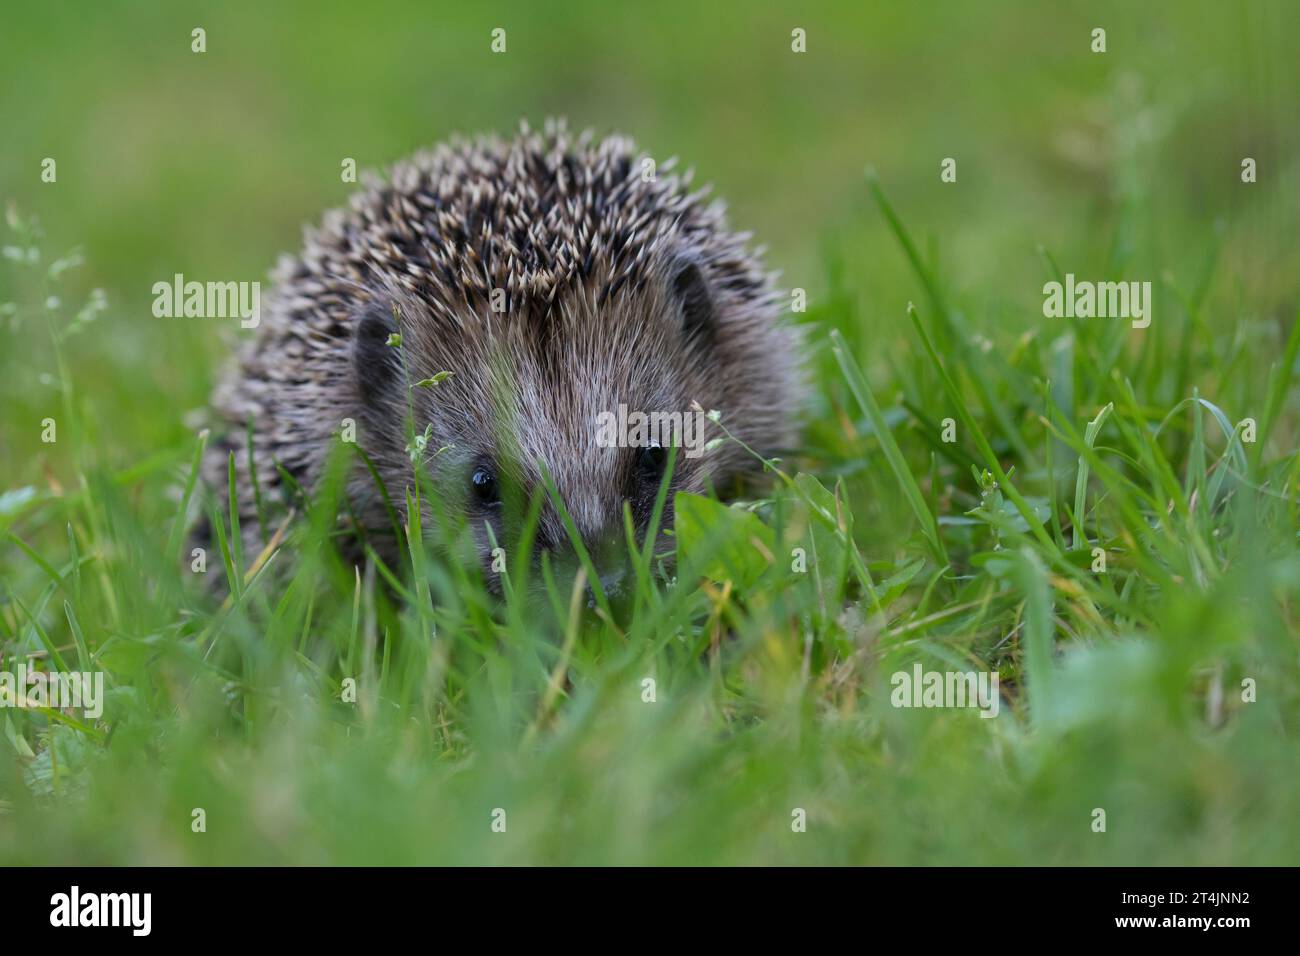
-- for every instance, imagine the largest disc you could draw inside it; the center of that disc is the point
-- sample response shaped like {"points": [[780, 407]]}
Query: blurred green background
{"points": [[208, 164]]}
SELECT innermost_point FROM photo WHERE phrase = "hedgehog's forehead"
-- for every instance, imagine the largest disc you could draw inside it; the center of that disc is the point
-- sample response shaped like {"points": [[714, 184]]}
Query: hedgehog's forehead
{"points": [[543, 398], [633, 336], [556, 390]]}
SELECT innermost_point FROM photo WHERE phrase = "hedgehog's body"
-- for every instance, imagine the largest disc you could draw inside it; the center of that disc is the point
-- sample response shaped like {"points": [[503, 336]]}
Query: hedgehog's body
{"points": [[617, 287]]}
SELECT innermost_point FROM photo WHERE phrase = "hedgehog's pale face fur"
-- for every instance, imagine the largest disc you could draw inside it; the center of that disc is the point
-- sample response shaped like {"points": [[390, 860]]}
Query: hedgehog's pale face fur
{"points": [[618, 291]]}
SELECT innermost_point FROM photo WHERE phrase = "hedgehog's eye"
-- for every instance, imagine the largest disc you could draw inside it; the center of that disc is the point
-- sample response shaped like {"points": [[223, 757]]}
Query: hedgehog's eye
{"points": [[651, 460], [484, 485]]}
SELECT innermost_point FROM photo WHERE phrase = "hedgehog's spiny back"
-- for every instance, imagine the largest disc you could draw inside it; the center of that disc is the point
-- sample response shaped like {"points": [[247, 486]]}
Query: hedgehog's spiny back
{"points": [[538, 216]]}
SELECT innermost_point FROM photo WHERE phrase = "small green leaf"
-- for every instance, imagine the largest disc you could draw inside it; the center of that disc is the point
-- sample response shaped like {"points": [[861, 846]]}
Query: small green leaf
{"points": [[435, 380], [728, 543], [415, 447]]}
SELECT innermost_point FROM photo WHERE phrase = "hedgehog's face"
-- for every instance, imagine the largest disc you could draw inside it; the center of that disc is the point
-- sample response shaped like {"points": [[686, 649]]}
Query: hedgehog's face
{"points": [[586, 512], [575, 413]]}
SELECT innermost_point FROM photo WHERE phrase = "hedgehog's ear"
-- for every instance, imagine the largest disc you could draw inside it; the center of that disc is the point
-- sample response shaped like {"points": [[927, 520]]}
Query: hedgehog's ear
{"points": [[691, 291], [376, 363]]}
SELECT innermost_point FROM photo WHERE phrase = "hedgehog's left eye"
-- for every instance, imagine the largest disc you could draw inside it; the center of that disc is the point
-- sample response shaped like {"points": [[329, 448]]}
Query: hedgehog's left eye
{"points": [[651, 460], [484, 484]]}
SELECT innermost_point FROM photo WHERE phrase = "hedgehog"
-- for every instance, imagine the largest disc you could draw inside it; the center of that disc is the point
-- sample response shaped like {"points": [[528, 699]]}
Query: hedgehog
{"points": [[473, 314]]}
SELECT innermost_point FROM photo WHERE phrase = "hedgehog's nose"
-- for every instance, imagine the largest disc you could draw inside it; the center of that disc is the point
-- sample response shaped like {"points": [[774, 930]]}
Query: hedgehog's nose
{"points": [[611, 582]]}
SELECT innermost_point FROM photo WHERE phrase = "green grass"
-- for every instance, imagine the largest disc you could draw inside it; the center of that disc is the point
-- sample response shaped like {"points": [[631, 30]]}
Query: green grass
{"points": [[1121, 690]]}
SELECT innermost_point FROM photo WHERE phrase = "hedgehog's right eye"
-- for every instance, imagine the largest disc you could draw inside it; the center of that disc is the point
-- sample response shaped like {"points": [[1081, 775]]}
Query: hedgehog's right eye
{"points": [[484, 485]]}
